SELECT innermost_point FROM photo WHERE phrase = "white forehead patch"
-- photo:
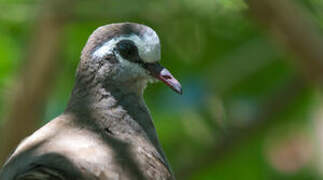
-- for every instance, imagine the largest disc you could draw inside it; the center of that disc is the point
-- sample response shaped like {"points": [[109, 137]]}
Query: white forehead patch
{"points": [[148, 46]]}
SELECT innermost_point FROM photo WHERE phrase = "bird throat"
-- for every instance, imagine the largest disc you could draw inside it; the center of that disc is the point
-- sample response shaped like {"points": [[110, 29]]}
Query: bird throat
{"points": [[122, 113]]}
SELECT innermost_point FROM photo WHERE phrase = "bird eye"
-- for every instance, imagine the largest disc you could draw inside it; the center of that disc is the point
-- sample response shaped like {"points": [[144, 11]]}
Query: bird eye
{"points": [[127, 49]]}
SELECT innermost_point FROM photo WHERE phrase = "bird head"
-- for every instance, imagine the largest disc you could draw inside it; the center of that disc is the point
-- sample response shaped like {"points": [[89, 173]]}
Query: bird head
{"points": [[126, 53]]}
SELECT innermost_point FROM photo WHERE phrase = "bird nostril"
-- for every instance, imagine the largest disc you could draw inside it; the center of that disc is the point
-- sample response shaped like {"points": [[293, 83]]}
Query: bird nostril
{"points": [[167, 77]]}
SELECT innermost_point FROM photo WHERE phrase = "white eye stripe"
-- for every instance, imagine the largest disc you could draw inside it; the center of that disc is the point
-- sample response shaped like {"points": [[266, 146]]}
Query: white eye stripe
{"points": [[107, 47], [148, 46]]}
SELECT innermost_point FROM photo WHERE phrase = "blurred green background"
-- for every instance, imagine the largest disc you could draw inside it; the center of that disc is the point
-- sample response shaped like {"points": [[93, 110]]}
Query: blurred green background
{"points": [[247, 111]]}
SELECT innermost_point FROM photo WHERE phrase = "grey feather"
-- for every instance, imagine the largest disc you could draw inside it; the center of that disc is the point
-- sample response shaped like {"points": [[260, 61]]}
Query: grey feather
{"points": [[106, 132]]}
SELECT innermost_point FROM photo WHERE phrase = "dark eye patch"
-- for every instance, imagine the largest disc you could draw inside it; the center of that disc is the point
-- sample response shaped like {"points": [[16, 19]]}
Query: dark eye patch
{"points": [[128, 50]]}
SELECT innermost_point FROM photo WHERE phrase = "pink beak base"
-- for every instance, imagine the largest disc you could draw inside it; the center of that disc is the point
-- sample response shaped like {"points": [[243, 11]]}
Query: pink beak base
{"points": [[165, 76]]}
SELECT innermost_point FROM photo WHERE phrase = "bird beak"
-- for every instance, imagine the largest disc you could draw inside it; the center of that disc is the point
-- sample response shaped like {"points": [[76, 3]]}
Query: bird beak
{"points": [[161, 73]]}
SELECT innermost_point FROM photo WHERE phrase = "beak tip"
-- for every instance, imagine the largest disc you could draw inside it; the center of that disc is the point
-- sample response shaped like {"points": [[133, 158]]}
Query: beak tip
{"points": [[180, 92], [178, 89]]}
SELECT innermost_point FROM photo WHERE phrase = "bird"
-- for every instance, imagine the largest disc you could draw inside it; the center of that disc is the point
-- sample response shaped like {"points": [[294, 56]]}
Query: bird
{"points": [[106, 131]]}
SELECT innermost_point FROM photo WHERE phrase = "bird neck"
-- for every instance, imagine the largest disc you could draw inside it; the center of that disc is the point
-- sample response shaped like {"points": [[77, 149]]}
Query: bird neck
{"points": [[114, 108], [104, 95]]}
